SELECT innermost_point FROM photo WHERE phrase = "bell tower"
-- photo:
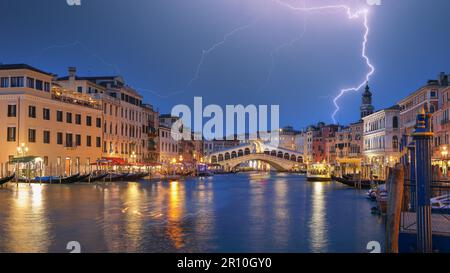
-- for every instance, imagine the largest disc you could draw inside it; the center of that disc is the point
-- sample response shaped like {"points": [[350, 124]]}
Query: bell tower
{"points": [[366, 104]]}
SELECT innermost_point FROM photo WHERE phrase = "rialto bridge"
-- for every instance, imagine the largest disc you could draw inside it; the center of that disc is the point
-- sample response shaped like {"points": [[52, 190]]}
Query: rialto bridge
{"points": [[278, 158]]}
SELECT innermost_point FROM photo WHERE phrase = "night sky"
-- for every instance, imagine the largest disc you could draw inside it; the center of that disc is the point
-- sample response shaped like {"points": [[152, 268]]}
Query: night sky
{"points": [[157, 46]]}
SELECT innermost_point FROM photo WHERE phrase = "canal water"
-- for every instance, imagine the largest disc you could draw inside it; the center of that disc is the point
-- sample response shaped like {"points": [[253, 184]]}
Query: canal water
{"points": [[253, 212]]}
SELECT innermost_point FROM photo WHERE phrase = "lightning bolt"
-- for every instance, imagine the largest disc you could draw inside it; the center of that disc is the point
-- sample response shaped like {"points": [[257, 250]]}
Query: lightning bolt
{"points": [[277, 49], [84, 47], [364, 13], [206, 52]]}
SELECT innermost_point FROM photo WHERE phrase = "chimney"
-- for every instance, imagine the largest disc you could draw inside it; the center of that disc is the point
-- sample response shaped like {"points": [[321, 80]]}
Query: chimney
{"points": [[72, 73]]}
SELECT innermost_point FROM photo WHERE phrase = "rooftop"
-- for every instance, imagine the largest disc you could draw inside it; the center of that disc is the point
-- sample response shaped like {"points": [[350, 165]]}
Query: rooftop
{"points": [[23, 66]]}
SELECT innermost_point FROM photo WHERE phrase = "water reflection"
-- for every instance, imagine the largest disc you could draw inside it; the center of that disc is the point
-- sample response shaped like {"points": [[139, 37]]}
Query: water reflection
{"points": [[205, 218], [230, 213], [175, 213], [281, 213], [318, 223], [27, 222]]}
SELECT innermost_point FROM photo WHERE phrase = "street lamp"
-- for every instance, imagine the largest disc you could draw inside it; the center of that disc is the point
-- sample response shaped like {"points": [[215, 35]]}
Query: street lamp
{"points": [[22, 150], [444, 152], [134, 156]]}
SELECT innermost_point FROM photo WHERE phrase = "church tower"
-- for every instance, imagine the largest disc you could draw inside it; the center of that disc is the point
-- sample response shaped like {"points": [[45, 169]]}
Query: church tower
{"points": [[366, 105]]}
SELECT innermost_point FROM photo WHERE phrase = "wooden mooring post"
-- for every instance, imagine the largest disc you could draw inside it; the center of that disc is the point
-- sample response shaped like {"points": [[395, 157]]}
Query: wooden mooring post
{"points": [[395, 186], [423, 138]]}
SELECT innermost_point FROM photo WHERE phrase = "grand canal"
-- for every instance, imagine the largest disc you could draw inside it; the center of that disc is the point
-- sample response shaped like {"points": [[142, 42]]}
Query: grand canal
{"points": [[253, 212]]}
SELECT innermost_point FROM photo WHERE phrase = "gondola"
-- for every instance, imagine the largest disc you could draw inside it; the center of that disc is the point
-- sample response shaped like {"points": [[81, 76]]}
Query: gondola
{"points": [[363, 184], [115, 177], [56, 179], [7, 179], [98, 177], [131, 177], [205, 174], [143, 175], [81, 178]]}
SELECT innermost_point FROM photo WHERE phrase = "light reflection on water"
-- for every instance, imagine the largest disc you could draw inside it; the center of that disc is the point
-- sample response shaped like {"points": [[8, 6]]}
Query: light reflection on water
{"points": [[317, 224], [256, 212]]}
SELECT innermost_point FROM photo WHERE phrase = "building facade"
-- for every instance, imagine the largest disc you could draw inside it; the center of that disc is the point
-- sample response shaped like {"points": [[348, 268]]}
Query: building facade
{"points": [[123, 117], [426, 96], [348, 146], [381, 142], [151, 119], [59, 126]]}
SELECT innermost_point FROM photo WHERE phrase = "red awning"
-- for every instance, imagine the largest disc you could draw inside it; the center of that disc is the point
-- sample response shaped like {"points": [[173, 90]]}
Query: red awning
{"points": [[111, 161], [115, 161]]}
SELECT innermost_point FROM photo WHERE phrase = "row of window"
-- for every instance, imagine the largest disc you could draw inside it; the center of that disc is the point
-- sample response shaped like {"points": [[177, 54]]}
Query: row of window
{"points": [[127, 130], [46, 138], [124, 148], [169, 147], [380, 143], [46, 115], [6, 82], [124, 112]]}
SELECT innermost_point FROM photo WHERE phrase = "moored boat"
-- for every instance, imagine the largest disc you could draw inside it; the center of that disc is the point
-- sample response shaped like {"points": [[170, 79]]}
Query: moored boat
{"points": [[441, 202], [318, 172], [95, 178], [351, 182], [6, 179], [83, 177], [143, 174], [56, 179], [205, 174], [116, 177]]}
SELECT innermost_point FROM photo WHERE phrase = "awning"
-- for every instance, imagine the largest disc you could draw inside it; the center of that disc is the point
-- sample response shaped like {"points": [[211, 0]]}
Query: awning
{"points": [[112, 161], [142, 164], [23, 159]]}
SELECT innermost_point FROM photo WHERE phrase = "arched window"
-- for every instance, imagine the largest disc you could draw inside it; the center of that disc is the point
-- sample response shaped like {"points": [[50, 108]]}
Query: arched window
{"points": [[273, 153], [233, 154], [247, 151], [293, 158], [300, 159], [432, 109], [395, 143], [240, 153], [214, 159], [227, 156], [287, 156], [220, 157], [395, 122]]}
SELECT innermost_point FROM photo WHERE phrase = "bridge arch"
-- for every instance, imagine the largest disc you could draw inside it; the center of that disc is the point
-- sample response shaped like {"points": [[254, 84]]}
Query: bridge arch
{"points": [[279, 164]]}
